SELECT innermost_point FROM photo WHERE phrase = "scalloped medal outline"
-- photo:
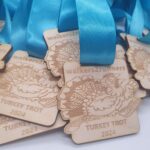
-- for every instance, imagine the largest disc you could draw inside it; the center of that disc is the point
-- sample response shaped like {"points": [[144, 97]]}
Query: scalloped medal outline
{"points": [[125, 105], [139, 60], [59, 53], [29, 83]]}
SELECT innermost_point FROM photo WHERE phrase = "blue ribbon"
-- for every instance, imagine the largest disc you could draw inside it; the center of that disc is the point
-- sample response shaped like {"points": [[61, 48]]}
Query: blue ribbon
{"points": [[130, 10], [26, 23], [96, 25], [4, 15], [26, 20], [146, 9]]}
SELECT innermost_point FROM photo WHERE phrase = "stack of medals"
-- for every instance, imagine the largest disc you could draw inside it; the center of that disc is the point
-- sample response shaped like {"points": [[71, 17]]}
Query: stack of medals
{"points": [[95, 102], [99, 102], [28, 91]]}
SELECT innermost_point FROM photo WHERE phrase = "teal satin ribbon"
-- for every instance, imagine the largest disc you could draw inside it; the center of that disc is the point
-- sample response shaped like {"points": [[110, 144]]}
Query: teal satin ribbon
{"points": [[130, 10], [136, 14], [146, 8], [4, 15], [145, 39], [26, 23], [68, 16], [26, 20], [96, 29]]}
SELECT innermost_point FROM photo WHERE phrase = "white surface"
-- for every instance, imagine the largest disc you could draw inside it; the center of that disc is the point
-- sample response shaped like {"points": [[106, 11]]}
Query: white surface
{"points": [[57, 140]]}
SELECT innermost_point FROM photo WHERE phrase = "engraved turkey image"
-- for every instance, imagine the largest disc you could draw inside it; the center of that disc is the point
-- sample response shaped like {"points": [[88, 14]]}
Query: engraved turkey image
{"points": [[91, 99], [29, 83], [140, 65], [61, 52]]}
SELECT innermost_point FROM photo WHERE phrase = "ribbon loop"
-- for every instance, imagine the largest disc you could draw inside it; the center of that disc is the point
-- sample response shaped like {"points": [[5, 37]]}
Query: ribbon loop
{"points": [[5, 16], [96, 26], [26, 20]]}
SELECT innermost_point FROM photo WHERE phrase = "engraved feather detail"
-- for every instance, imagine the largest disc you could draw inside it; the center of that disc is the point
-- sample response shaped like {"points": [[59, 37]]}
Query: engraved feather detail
{"points": [[30, 84], [99, 98]]}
